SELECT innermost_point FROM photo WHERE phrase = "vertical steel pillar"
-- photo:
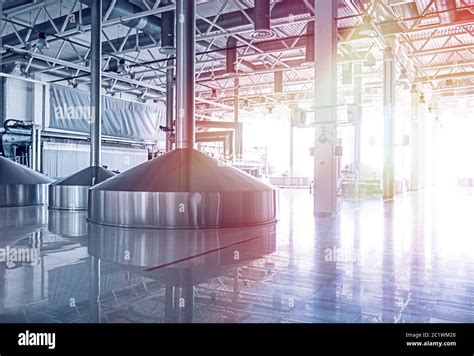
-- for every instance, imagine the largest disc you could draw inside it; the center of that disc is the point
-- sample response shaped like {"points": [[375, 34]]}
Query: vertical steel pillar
{"points": [[34, 146], [169, 102], [421, 143], [236, 99], [357, 120], [185, 30], [389, 127], [96, 64], [415, 102], [237, 154], [292, 149], [325, 162]]}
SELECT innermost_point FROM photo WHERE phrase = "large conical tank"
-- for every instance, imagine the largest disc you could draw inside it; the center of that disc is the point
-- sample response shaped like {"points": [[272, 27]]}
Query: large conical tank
{"points": [[70, 193], [21, 186], [184, 189]]}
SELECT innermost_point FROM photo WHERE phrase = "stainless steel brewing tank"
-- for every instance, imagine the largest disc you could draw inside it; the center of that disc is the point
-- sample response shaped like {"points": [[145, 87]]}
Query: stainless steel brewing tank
{"points": [[71, 193], [21, 186], [183, 189]]}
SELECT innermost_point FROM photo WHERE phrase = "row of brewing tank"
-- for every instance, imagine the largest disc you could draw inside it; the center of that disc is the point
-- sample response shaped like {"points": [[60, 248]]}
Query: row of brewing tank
{"points": [[183, 189]]}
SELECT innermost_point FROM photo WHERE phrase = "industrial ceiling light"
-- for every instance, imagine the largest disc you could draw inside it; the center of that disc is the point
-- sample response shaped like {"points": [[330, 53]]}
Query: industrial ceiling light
{"points": [[262, 20], [370, 61], [42, 42], [422, 98], [403, 75], [122, 67], [214, 94], [20, 67], [414, 89], [72, 83], [118, 66], [16, 70], [367, 28]]}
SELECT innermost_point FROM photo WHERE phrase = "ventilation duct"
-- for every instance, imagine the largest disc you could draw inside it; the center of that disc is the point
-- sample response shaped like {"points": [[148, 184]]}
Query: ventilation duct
{"points": [[150, 25], [262, 20], [309, 56], [231, 56], [167, 32], [278, 81]]}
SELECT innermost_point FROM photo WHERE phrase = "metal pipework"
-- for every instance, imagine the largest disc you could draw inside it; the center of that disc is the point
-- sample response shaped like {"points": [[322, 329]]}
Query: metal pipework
{"points": [[185, 28], [309, 54], [169, 103], [262, 20], [167, 32], [231, 55], [96, 63]]}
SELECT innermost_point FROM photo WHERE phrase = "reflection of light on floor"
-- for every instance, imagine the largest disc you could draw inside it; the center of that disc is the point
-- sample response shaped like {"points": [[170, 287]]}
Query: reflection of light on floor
{"points": [[405, 260]]}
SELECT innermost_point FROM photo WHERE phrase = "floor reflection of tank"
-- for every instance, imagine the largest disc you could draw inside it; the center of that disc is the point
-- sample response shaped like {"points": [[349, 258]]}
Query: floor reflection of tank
{"points": [[37, 287], [67, 223], [19, 221], [179, 259]]}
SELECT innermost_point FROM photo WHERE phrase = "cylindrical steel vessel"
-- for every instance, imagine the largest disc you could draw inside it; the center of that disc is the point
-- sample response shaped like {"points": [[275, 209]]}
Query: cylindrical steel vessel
{"points": [[23, 194], [21, 186], [71, 193], [180, 190]]}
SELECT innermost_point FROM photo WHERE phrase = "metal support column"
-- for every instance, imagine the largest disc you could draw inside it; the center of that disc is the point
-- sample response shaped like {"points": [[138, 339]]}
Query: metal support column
{"points": [[96, 84], [357, 122], [169, 103], [186, 25], [236, 154], [292, 146], [415, 102], [325, 162], [422, 140], [236, 99], [389, 127], [33, 149]]}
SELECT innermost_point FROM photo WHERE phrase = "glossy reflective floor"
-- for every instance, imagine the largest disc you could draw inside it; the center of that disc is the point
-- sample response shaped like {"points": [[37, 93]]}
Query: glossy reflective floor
{"points": [[406, 260]]}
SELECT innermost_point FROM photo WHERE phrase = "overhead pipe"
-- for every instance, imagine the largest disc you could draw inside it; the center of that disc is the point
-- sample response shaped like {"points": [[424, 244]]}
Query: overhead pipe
{"points": [[262, 20], [150, 25], [231, 56], [185, 52], [309, 55], [278, 81], [167, 31]]}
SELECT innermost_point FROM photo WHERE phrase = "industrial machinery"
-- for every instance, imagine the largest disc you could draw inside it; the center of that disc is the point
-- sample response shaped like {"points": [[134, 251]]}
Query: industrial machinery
{"points": [[21, 186], [183, 188]]}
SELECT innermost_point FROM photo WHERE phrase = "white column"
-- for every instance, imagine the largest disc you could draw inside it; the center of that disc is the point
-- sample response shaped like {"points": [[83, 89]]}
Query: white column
{"points": [[415, 102], [389, 127], [421, 145], [357, 121], [325, 162]]}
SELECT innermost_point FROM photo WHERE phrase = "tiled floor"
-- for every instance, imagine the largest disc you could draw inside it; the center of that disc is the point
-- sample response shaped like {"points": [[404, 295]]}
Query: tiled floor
{"points": [[406, 260]]}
